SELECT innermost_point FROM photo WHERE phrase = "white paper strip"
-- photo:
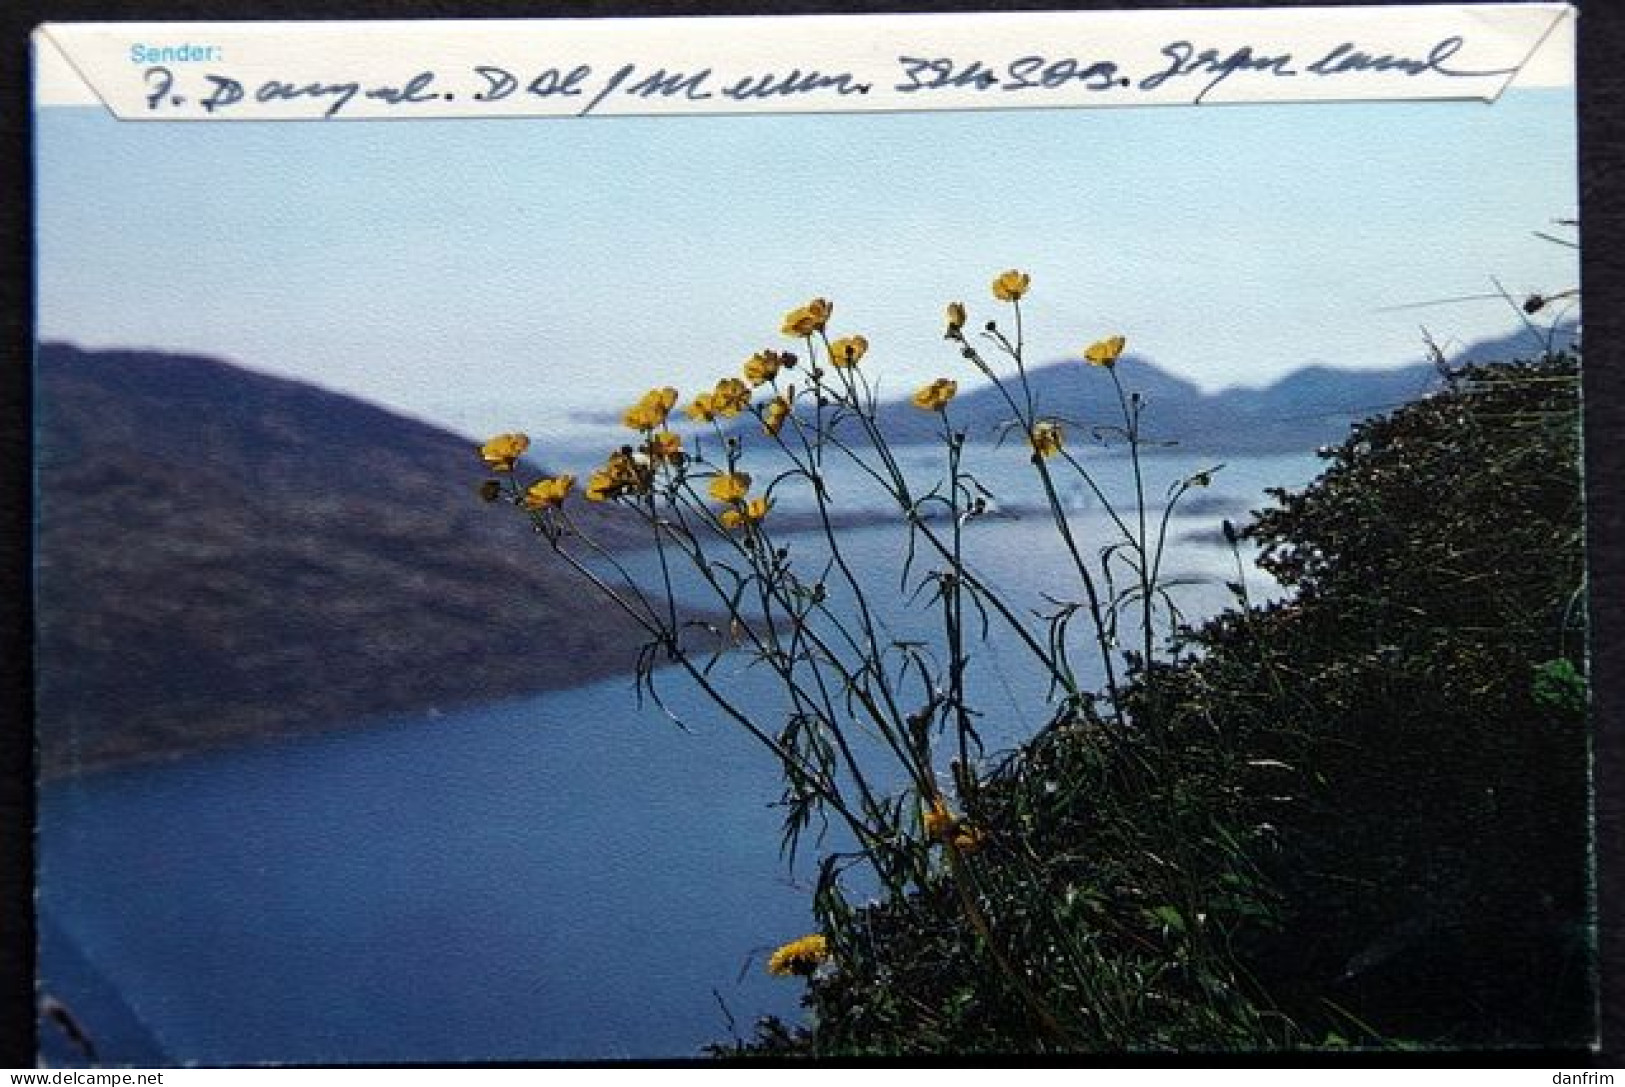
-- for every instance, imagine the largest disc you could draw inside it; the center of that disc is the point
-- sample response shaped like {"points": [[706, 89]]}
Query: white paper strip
{"points": [[565, 68]]}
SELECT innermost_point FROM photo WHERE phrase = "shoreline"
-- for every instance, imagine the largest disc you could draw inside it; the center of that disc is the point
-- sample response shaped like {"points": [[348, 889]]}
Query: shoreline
{"points": [[246, 737]]}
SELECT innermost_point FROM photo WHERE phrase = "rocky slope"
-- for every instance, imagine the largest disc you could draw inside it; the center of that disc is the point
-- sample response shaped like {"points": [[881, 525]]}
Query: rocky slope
{"points": [[221, 554]]}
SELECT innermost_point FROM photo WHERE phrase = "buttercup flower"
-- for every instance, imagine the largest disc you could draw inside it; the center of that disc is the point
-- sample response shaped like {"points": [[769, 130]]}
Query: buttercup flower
{"points": [[730, 397], [969, 839], [1046, 439], [939, 821], [704, 408], [1104, 352], [799, 958], [651, 411], [935, 396], [943, 826], [548, 494], [956, 321], [664, 447], [774, 415], [809, 319], [746, 513], [1011, 285], [764, 366], [847, 351], [501, 452], [621, 474], [730, 487]]}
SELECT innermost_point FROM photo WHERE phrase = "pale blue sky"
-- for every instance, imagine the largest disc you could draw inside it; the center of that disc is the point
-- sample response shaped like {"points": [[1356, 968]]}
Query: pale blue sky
{"points": [[500, 274]]}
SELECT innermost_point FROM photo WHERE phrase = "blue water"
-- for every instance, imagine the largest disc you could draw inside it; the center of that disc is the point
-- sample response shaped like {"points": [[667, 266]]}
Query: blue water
{"points": [[1018, 549], [564, 876], [553, 877]]}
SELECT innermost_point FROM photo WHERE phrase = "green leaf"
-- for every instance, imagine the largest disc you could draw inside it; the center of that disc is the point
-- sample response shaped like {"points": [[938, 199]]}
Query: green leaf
{"points": [[1558, 685], [1170, 917]]}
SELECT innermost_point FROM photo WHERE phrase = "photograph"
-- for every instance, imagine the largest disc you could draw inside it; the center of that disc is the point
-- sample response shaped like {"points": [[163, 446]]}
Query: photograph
{"points": [[812, 583]]}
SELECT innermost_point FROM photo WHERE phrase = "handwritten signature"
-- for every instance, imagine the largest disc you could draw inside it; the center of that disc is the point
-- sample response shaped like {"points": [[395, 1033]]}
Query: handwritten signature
{"points": [[495, 84], [1183, 60], [1182, 63], [1344, 59]]}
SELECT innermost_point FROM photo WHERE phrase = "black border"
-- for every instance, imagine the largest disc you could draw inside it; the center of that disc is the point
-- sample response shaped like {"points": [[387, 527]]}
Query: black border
{"points": [[1602, 190]]}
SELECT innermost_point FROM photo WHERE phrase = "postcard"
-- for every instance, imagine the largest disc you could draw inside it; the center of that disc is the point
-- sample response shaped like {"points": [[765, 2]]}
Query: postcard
{"points": [[811, 537]]}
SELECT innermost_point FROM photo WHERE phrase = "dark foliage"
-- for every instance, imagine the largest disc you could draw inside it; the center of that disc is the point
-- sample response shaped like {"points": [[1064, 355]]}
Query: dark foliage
{"points": [[1357, 816], [1425, 679]]}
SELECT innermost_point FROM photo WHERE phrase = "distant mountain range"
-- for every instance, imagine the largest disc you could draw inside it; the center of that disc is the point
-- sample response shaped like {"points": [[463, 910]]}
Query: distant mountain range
{"points": [[1308, 408], [222, 554]]}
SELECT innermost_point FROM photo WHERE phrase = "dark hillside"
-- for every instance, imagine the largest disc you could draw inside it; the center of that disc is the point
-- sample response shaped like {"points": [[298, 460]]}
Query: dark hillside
{"points": [[223, 554]]}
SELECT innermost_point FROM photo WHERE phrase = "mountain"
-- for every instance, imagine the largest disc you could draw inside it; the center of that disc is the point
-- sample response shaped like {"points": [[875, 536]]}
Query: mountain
{"points": [[1308, 408], [221, 554]]}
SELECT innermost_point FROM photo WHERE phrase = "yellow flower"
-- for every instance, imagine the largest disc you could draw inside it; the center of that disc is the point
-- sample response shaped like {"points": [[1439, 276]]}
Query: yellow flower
{"points": [[774, 415], [956, 321], [548, 494], [664, 447], [943, 825], [704, 408], [1011, 285], [730, 487], [847, 351], [1104, 352], [621, 474], [809, 319], [799, 958], [730, 397], [939, 821], [651, 411], [1046, 439], [764, 366], [746, 513], [501, 452], [935, 396]]}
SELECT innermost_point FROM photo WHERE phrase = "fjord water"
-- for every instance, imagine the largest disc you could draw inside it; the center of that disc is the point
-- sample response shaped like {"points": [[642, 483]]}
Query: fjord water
{"points": [[566, 876], [547, 878]]}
